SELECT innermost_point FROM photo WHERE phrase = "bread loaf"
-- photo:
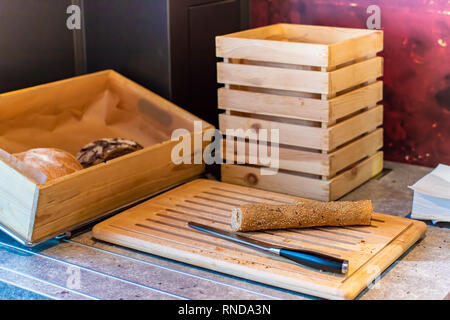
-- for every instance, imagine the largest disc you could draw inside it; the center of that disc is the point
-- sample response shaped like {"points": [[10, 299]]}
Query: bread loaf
{"points": [[54, 163], [106, 149], [303, 214]]}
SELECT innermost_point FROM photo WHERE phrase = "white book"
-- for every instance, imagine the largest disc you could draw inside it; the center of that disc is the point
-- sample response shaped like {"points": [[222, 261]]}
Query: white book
{"points": [[432, 196]]}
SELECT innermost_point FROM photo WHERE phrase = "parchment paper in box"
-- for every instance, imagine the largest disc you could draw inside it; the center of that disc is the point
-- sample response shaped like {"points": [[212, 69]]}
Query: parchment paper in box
{"points": [[98, 108]]}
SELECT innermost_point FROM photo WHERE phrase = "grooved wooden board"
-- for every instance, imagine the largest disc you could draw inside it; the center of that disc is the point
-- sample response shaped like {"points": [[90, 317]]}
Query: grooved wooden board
{"points": [[159, 226]]}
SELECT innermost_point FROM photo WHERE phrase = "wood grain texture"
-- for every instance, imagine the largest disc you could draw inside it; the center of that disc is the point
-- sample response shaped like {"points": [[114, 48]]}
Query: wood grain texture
{"points": [[357, 175], [303, 185], [272, 51], [355, 74], [355, 100], [159, 226], [355, 151], [300, 44], [296, 107], [18, 200], [273, 78], [273, 104], [355, 126], [293, 159], [355, 48], [283, 182], [290, 134], [317, 163]]}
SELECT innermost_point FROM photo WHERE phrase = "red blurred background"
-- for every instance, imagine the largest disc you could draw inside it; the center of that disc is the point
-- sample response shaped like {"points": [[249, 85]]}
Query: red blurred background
{"points": [[416, 66]]}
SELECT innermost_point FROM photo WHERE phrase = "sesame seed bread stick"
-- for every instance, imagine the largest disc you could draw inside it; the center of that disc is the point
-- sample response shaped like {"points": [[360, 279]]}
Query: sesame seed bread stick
{"points": [[303, 214]]}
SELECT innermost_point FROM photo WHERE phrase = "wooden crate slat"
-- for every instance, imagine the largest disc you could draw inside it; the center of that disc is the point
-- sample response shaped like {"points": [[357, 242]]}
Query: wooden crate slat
{"points": [[309, 137], [272, 51], [355, 126], [273, 104], [359, 47], [290, 134], [355, 100], [312, 34], [281, 182], [306, 187], [273, 78], [314, 162], [300, 107], [289, 159], [355, 151], [355, 74], [350, 179], [300, 80]]}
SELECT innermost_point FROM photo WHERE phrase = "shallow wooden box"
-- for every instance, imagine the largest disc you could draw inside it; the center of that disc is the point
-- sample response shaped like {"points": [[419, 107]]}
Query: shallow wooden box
{"points": [[33, 212], [318, 86]]}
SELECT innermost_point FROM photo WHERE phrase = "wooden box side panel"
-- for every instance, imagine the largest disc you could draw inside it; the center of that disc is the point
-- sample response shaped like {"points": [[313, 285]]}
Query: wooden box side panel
{"points": [[18, 200], [166, 116], [108, 186]]}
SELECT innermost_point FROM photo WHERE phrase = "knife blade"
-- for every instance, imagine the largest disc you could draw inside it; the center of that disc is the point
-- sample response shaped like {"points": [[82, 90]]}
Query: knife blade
{"points": [[304, 257]]}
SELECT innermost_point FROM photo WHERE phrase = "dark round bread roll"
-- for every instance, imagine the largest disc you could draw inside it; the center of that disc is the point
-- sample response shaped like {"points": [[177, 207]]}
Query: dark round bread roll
{"points": [[106, 149]]}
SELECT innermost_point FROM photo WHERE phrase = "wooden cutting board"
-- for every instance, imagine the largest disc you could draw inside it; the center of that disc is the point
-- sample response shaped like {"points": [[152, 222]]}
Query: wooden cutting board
{"points": [[159, 226]]}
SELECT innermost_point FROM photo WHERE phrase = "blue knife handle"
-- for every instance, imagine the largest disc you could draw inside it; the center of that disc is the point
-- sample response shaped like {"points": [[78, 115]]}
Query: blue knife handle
{"points": [[316, 260]]}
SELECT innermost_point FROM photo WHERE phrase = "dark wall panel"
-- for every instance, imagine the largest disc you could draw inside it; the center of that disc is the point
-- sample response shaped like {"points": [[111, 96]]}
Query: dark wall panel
{"points": [[130, 37], [35, 44], [205, 22]]}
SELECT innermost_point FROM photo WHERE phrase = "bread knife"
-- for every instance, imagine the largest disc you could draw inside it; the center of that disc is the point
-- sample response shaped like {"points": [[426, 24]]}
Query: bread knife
{"points": [[304, 257]]}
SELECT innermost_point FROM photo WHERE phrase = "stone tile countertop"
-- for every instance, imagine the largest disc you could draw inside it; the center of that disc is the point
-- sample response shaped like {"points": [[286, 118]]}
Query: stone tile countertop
{"points": [[84, 268]]}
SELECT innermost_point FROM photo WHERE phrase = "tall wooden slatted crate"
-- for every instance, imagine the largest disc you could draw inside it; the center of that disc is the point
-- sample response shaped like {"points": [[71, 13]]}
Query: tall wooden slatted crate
{"points": [[319, 86]]}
